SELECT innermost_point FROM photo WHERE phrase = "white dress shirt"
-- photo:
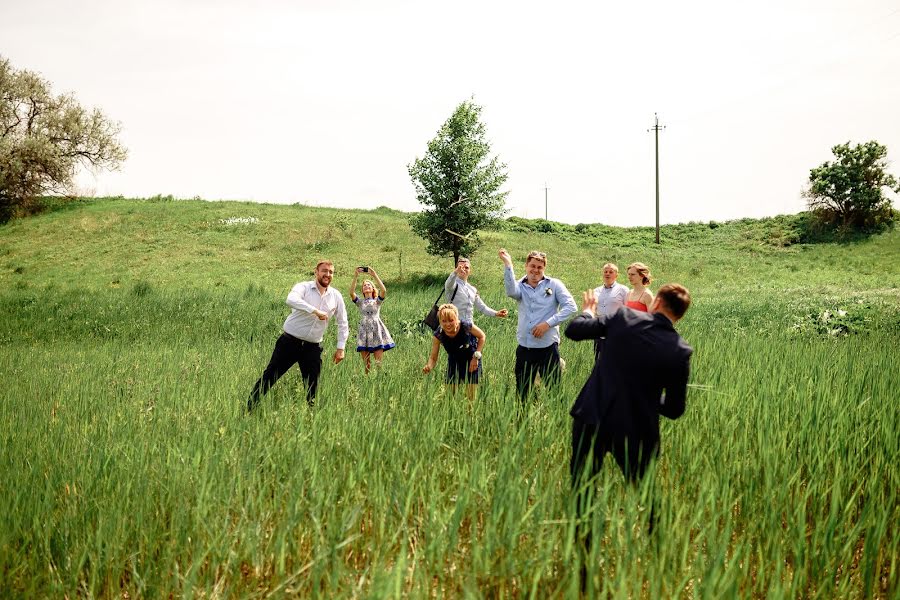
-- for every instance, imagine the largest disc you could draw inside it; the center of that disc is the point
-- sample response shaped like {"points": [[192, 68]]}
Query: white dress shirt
{"points": [[303, 299], [610, 299]]}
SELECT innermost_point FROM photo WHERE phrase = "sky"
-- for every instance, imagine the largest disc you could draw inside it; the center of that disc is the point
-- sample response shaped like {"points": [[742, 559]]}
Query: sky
{"points": [[326, 103]]}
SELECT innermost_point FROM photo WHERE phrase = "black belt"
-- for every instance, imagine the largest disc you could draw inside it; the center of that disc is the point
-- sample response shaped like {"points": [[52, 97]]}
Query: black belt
{"points": [[303, 342]]}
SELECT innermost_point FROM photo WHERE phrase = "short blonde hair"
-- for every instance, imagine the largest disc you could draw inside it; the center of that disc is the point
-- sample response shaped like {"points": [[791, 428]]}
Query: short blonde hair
{"points": [[614, 267], [447, 310], [537, 255], [642, 270]]}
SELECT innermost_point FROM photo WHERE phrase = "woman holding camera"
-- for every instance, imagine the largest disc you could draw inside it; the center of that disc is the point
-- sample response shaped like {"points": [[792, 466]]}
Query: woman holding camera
{"points": [[372, 337]]}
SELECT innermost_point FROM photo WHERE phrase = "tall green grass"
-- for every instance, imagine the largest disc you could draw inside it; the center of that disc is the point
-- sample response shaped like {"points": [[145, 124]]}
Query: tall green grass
{"points": [[128, 466]]}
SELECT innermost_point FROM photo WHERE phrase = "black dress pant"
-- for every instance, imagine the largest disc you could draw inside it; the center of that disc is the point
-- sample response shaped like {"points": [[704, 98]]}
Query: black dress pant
{"points": [[592, 443], [289, 351], [531, 362], [632, 456]]}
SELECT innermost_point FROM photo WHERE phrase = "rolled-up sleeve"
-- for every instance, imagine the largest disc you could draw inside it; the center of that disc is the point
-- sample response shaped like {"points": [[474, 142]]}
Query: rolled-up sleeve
{"points": [[295, 298]]}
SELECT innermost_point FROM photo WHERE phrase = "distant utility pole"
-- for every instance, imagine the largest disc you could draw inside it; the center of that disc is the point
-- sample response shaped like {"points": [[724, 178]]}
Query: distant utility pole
{"points": [[545, 201], [656, 129]]}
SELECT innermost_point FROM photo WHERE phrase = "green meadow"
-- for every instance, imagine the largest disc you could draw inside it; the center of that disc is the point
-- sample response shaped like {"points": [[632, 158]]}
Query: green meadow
{"points": [[131, 332]]}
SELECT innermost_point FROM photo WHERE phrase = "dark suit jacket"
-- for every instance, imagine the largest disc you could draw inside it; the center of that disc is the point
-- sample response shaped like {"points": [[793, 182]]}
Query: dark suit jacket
{"points": [[642, 356]]}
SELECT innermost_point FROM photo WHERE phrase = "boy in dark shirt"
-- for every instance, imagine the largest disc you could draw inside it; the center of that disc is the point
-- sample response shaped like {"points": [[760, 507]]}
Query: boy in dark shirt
{"points": [[463, 344]]}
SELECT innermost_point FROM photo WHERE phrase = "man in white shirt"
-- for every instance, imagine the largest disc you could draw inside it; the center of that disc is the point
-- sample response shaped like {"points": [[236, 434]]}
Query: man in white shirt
{"points": [[464, 296], [313, 304], [610, 298]]}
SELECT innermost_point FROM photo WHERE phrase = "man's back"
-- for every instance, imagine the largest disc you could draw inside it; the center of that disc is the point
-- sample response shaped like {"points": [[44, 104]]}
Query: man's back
{"points": [[643, 356]]}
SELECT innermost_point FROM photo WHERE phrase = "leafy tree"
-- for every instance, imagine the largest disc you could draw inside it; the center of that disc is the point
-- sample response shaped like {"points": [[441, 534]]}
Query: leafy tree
{"points": [[459, 184], [44, 138], [848, 193]]}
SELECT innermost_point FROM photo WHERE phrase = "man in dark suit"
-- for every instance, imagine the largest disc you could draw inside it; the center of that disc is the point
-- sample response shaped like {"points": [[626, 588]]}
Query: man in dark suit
{"points": [[618, 408]]}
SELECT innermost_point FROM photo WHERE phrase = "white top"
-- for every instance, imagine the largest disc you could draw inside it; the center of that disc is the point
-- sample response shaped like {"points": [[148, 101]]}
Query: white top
{"points": [[610, 299], [303, 299], [466, 298]]}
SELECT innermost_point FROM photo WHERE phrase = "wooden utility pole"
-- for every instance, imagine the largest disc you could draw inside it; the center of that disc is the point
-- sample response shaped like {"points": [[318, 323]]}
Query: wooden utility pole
{"points": [[545, 201], [656, 129]]}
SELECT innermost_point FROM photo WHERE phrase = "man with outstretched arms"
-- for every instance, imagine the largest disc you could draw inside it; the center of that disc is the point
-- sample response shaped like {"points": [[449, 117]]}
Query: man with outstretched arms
{"points": [[313, 304]]}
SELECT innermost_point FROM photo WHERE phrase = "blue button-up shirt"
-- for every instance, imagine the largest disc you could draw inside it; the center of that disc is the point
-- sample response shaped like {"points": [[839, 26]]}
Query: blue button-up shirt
{"points": [[550, 301]]}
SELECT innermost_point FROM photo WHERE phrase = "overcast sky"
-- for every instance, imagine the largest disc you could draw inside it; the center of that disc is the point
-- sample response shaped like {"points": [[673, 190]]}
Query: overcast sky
{"points": [[327, 102]]}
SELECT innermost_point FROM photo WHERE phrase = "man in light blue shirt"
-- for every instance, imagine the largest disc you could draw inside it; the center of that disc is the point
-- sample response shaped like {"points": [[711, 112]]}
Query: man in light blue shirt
{"points": [[544, 303]]}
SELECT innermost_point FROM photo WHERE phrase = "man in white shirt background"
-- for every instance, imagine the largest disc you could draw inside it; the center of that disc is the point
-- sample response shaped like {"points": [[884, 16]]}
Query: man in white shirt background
{"points": [[610, 298], [313, 304]]}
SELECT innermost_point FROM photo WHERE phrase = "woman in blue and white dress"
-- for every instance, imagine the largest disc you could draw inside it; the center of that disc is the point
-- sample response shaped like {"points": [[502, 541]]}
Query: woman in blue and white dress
{"points": [[372, 337]]}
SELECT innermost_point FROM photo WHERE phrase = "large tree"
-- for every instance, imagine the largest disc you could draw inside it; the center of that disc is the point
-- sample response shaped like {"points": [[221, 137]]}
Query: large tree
{"points": [[848, 193], [459, 184], [45, 138]]}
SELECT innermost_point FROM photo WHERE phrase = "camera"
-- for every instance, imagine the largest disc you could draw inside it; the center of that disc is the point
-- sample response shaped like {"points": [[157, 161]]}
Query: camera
{"points": [[364, 269]]}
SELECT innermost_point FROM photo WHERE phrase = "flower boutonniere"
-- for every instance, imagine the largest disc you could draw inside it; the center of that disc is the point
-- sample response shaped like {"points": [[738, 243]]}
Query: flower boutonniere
{"points": [[548, 292]]}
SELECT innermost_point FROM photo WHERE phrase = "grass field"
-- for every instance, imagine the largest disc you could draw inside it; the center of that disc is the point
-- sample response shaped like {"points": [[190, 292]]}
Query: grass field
{"points": [[132, 331]]}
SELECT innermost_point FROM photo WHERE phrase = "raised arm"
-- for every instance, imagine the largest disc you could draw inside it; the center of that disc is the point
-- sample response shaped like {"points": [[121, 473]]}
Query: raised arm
{"points": [[449, 285], [353, 285], [379, 282], [509, 276], [587, 326]]}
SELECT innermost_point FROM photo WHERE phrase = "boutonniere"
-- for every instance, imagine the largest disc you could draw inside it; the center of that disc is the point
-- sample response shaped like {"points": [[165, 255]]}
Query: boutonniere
{"points": [[548, 292]]}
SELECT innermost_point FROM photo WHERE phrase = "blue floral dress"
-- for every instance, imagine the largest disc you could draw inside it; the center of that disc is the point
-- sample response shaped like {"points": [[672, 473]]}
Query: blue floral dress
{"points": [[372, 334]]}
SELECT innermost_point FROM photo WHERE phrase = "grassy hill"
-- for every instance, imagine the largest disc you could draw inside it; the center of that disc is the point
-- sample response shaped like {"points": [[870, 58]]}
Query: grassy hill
{"points": [[131, 332]]}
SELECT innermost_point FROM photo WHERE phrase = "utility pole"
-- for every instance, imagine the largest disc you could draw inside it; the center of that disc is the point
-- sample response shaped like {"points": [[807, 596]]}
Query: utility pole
{"points": [[656, 129], [545, 201]]}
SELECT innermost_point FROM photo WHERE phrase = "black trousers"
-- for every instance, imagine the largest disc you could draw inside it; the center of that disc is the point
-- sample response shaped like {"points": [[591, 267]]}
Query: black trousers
{"points": [[531, 362], [289, 351], [590, 445], [632, 456]]}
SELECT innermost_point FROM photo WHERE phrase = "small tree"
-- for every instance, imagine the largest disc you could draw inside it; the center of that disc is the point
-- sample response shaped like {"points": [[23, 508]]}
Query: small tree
{"points": [[459, 184], [848, 193], [44, 138]]}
